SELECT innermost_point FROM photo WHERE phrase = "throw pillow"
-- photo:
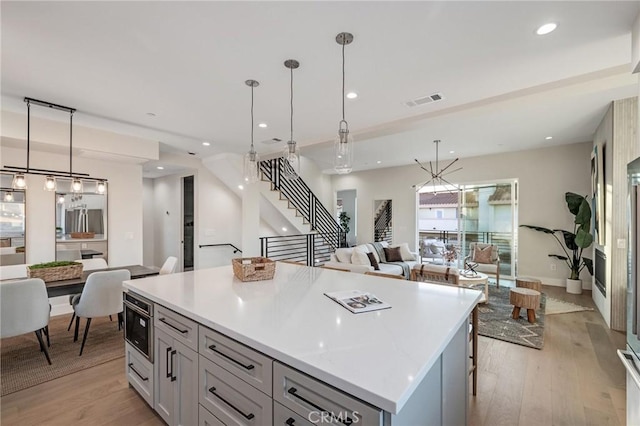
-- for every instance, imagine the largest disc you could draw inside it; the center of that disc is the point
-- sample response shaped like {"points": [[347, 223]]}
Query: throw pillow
{"points": [[405, 252], [344, 255], [359, 257], [393, 254], [436, 249], [482, 255], [373, 261]]}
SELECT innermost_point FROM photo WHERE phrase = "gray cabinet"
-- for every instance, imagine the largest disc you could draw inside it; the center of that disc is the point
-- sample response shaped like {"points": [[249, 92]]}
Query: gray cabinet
{"points": [[139, 373], [176, 384]]}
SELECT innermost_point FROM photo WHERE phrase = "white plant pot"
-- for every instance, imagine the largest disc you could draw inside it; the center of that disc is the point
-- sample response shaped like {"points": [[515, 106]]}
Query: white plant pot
{"points": [[574, 286]]}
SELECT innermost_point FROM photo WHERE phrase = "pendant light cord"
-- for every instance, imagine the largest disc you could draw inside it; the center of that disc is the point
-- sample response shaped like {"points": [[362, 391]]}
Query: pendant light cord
{"points": [[343, 43], [70, 143], [28, 132], [252, 118], [291, 103]]}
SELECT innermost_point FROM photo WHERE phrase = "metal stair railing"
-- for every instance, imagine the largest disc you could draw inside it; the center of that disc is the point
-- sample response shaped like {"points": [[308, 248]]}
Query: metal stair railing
{"points": [[300, 197], [382, 227]]}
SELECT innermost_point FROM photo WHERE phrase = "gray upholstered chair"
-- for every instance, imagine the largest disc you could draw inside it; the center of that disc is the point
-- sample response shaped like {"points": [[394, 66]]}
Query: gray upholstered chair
{"points": [[485, 262], [169, 266], [24, 307], [9, 272], [87, 265], [101, 296]]}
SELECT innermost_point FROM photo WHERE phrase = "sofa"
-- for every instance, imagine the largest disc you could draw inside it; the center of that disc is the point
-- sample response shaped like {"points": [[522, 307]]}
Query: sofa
{"points": [[358, 259]]}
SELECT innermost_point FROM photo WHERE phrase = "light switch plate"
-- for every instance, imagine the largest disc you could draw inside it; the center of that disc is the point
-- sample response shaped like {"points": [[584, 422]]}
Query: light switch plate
{"points": [[622, 243]]}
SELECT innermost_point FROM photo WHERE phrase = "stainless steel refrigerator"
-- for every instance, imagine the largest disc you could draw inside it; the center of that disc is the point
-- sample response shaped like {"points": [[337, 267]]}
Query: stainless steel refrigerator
{"points": [[631, 357]]}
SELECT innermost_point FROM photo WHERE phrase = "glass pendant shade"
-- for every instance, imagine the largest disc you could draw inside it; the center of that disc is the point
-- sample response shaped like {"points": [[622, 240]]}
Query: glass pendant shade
{"points": [[343, 150], [101, 187], [8, 197], [61, 199], [291, 165], [251, 170], [19, 181], [50, 183], [76, 185]]}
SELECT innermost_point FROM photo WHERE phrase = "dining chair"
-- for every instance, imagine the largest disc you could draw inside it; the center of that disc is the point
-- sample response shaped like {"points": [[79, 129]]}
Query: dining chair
{"points": [[87, 265], [169, 266], [24, 307], [8, 272], [101, 296]]}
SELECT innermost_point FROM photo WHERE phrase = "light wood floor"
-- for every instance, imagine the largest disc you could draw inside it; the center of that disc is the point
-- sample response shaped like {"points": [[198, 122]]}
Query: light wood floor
{"points": [[576, 379]]}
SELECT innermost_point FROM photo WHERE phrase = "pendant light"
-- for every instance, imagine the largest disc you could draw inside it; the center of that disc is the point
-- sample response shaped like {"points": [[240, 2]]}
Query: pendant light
{"points": [[8, 197], [291, 152], [50, 183], [343, 147], [101, 187], [251, 161], [19, 181]]}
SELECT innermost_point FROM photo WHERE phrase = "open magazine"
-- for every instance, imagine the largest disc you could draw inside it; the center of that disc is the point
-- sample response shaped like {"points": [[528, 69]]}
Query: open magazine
{"points": [[357, 301]]}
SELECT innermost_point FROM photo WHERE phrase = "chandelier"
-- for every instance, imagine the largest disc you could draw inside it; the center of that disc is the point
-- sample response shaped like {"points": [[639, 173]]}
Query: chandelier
{"points": [[436, 177]]}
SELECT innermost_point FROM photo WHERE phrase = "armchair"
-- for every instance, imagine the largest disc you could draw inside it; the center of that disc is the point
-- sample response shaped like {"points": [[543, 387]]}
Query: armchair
{"points": [[485, 258]]}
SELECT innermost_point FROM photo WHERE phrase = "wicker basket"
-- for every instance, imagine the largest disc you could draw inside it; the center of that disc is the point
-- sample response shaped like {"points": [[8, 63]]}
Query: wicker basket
{"points": [[82, 235], [57, 273], [253, 268]]}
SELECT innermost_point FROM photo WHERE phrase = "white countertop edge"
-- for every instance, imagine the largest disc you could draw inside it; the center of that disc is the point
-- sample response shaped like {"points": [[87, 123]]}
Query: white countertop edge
{"points": [[368, 397]]}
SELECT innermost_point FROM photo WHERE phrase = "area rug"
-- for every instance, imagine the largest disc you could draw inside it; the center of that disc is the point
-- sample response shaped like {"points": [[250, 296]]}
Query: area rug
{"points": [[494, 320], [555, 306], [22, 365]]}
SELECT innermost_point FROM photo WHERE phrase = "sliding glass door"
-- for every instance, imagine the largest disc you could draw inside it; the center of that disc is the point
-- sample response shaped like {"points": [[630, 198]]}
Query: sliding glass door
{"points": [[488, 214]]}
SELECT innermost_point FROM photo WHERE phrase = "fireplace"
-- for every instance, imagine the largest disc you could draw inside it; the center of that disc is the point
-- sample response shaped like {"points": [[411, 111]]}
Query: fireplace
{"points": [[600, 271]]}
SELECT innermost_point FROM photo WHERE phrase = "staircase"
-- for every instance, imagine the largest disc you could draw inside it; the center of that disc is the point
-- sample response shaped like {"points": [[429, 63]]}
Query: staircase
{"points": [[383, 231], [325, 236]]}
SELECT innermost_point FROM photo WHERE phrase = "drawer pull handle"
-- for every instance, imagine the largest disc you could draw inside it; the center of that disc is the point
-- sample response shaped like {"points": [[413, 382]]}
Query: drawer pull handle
{"points": [[144, 379], [246, 367], [173, 326], [246, 416], [347, 421], [168, 358], [290, 421]]}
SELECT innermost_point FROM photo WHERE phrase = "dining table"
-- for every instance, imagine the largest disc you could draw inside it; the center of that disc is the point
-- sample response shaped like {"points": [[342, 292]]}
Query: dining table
{"points": [[75, 285]]}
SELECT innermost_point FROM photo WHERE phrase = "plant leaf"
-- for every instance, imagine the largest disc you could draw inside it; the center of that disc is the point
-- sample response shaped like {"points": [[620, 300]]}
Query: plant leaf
{"points": [[573, 202], [583, 239], [538, 228], [569, 239], [589, 264], [583, 217], [557, 256]]}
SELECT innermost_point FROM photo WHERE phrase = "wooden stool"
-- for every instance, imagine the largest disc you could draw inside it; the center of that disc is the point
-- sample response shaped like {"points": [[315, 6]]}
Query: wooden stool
{"points": [[524, 298], [528, 282]]}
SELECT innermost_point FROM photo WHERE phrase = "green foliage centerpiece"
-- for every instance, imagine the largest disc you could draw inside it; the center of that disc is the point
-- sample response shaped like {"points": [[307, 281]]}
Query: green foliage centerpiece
{"points": [[55, 271]]}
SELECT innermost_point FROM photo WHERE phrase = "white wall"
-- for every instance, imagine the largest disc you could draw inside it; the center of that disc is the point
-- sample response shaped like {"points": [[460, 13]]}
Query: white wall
{"points": [[544, 176], [148, 221], [124, 205]]}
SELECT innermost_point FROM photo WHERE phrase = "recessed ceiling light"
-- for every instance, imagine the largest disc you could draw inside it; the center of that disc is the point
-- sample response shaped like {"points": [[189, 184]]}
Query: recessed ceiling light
{"points": [[549, 137], [240, 187], [151, 114], [378, 162], [352, 95], [262, 125], [284, 229], [546, 28], [206, 143], [160, 168], [451, 152]]}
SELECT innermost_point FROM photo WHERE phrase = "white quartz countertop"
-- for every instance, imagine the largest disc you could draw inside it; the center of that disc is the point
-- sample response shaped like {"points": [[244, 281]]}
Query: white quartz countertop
{"points": [[379, 357]]}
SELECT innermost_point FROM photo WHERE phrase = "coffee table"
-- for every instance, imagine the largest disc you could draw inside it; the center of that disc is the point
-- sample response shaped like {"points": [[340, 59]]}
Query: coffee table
{"points": [[475, 280]]}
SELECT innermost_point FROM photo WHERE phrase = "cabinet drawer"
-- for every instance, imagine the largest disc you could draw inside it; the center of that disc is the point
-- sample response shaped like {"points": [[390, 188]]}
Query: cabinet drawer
{"points": [[230, 399], [205, 418], [139, 373], [282, 416], [175, 325], [246, 363], [311, 398]]}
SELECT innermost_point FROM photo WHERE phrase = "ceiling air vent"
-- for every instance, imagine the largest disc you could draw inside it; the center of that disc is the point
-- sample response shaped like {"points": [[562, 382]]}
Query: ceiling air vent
{"points": [[424, 100], [272, 141]]}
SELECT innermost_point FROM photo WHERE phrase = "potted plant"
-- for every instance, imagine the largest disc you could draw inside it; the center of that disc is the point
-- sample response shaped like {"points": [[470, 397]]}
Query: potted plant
{"points": [[344, 224], [574, 242]]}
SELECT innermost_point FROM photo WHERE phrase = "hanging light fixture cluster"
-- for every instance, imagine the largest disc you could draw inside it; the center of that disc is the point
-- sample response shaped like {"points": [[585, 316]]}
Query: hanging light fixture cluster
{"points": [[436, 177], [77, 180], [343, 146]]}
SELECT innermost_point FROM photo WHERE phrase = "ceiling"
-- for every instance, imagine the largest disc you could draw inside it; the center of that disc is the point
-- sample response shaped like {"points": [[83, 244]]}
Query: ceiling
{"points": [[504, 87]]}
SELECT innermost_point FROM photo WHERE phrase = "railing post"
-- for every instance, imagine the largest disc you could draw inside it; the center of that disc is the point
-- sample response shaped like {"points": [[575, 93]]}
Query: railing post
{"points": [[310, 250]]}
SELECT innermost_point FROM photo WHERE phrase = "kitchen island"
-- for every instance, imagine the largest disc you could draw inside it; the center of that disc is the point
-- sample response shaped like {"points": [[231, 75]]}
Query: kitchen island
{"points": [[407, 365]]}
